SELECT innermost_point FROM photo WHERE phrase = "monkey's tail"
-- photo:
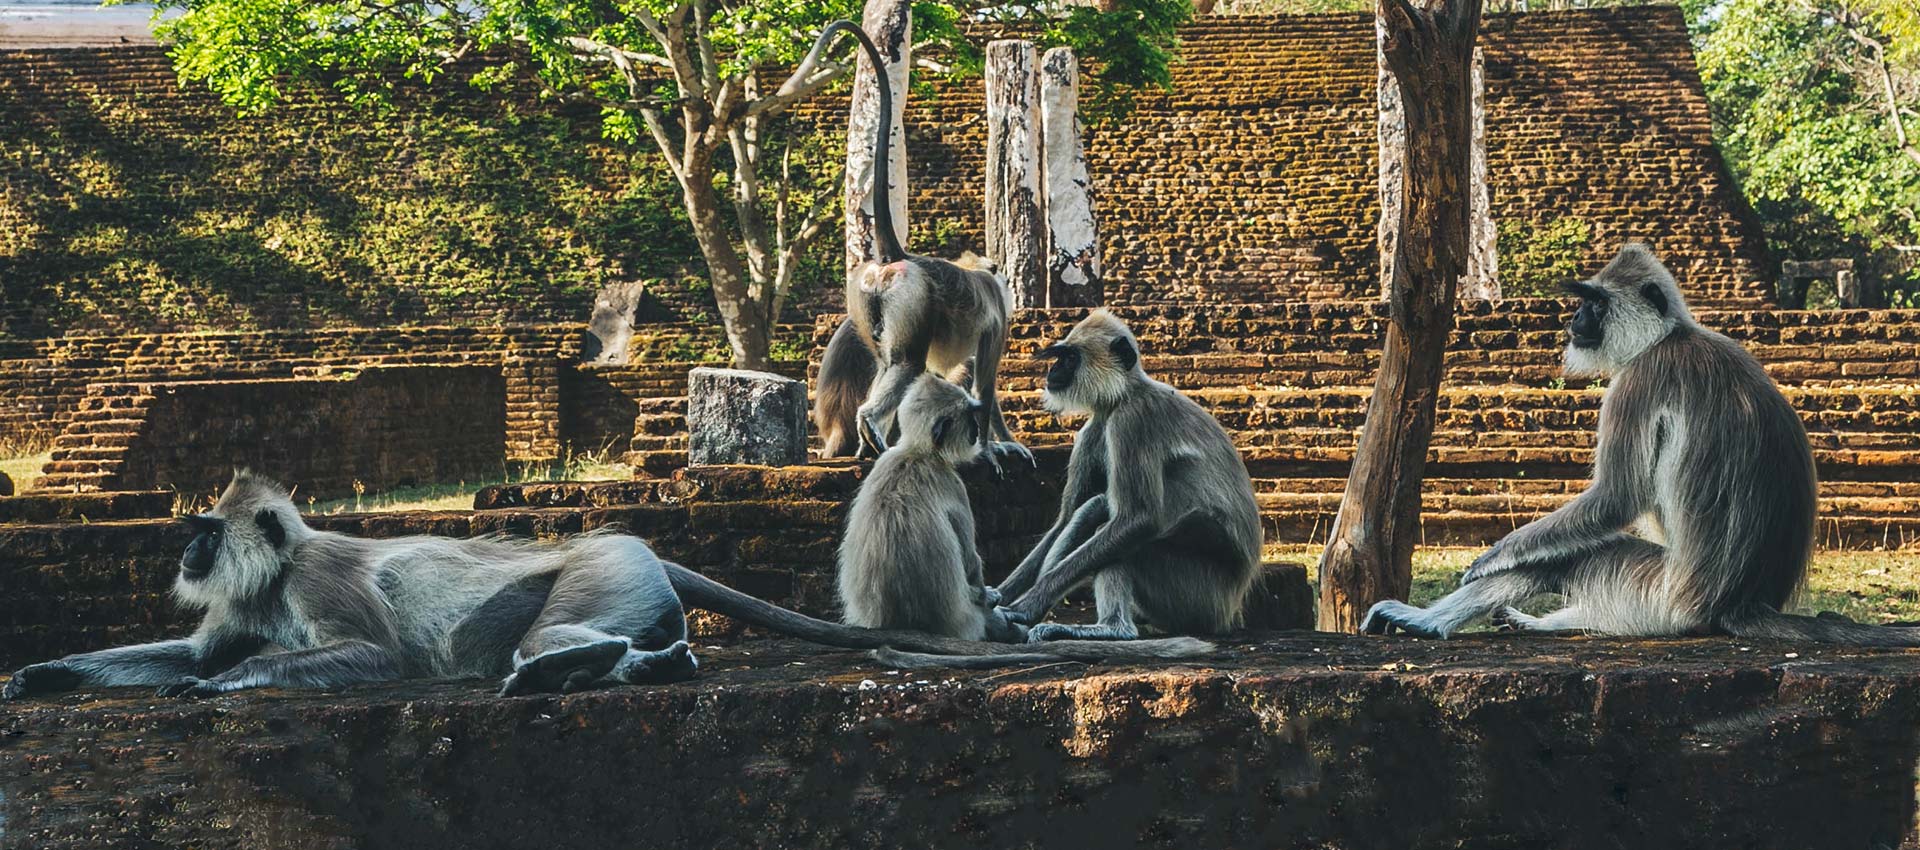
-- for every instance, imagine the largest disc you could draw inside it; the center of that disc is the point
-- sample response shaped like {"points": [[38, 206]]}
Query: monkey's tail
{"points": [[1069, 650], [1762, 623], [702, 592]]}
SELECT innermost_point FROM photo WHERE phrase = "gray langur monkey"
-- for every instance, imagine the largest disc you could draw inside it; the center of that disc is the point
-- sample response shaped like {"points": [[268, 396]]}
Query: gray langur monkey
{"points": [[1158, 511], [1694, 437], [846, 371], [908, 559], [344, 610], [290, 606], [915, 313]]}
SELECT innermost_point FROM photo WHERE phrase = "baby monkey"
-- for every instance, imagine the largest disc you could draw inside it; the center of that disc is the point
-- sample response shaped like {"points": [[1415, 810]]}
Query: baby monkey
{"points": [[908, 559]]}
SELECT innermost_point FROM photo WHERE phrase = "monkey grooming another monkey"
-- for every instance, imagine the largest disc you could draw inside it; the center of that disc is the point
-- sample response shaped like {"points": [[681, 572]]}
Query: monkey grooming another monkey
{"points": [[908, 560], [1693, 435], [1158, 511], [596, 609], [912, 313]]}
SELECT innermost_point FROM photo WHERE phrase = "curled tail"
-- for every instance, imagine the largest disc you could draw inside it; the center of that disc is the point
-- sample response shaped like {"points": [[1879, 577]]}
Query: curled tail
{"points": [[1763, 623], [1053, 652], [701, 592], [887, 249]]}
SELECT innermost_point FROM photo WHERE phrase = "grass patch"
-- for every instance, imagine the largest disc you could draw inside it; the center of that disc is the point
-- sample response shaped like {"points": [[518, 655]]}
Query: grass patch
{"points": [[459, 496], [24, 468], [1871, 587]]}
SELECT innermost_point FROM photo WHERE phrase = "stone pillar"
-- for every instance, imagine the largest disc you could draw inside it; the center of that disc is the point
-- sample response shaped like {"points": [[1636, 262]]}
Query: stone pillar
{"points": [[741, 416], [1073, 240], [1015, 238], [890, 25]]}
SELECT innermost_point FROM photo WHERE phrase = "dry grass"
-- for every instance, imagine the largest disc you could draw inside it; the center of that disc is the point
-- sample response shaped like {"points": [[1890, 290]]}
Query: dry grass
{"points": [[1871, 587], [23, 466], [459, 496]]}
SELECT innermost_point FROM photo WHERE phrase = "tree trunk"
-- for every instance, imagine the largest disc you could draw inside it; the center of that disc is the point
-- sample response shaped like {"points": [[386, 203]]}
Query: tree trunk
{"points": [[1073, 240], [1428, 49], [1015, 237], [1483, 260], [749, 333], [890, 25], [1482, 280]]}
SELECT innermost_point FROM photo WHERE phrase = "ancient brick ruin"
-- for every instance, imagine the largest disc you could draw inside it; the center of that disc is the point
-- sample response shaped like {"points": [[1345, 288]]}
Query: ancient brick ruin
{"points": [[1254, 180], [1238, 212]]}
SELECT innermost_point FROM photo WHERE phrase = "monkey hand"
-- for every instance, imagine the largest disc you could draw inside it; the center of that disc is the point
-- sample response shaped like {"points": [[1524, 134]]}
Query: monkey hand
{"points": [[989, 597], [1012, 449], [1013, 614], [37, 679], [192, 687]]}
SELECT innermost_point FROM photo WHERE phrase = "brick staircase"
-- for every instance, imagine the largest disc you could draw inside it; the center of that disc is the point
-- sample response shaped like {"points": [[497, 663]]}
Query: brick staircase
{"points": [[1290, 383], [87, 456]]}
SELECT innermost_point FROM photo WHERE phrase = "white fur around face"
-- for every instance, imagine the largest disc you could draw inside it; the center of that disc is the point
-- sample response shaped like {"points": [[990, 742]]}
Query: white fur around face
{"points": [[1100, 382], [247, 562]]}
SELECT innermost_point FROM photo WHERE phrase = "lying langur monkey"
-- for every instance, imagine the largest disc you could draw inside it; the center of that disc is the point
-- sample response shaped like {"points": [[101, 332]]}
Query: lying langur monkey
{"points": [[1695, 437], [908, 560], [911, 312], [595, 609], [1158, 511]]}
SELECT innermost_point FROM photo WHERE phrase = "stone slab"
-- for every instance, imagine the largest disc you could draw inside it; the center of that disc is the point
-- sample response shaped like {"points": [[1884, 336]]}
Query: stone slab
{"points": [[1298, 740]]}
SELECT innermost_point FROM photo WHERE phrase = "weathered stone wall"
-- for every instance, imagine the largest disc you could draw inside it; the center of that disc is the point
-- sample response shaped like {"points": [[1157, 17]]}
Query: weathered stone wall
{"points": [[381, 428], [1331, 742], [1253, 180]]}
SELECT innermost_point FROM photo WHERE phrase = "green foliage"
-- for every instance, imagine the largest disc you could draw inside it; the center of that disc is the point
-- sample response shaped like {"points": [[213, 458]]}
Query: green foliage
{"points": [[1536, 259], [138, 208], [1799, 107]]}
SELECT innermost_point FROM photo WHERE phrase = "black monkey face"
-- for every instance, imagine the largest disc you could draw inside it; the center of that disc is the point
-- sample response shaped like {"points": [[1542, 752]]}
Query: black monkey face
{"points": [[1589, 326], [1066, 365], [210, 533]]}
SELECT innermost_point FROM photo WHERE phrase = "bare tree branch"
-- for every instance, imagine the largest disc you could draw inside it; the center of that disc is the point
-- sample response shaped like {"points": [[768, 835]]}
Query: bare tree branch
{"points": [[587, 47], [796, 89]]}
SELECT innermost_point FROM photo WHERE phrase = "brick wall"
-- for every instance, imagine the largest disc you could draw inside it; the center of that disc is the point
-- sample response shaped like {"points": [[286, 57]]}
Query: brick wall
{"points": [[382, 428], [1253, 180]]}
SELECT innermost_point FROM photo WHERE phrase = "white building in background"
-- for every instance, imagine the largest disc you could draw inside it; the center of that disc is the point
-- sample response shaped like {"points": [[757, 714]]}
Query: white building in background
{"points": [[28, 24]]}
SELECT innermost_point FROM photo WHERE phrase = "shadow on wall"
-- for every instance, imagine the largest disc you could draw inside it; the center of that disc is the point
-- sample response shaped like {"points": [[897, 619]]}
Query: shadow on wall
{"points": [[325, 437]]}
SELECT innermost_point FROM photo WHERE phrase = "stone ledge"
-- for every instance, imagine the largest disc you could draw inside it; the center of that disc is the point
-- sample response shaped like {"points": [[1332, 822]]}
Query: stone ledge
{"points": [[1296, 741]]}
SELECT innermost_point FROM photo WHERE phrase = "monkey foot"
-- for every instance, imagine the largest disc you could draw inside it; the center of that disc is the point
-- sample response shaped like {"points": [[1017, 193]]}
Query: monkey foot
{"points": [[565, 670], [192, 688], [1385, 618], [1510, 619], [1061, 631], [657, 667]]}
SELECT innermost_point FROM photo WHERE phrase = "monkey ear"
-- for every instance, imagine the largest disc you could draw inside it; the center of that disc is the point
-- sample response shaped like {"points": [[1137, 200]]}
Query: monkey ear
{"points": [[270, 526], [1123, 352], [1655, 296], [940, 428]]}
